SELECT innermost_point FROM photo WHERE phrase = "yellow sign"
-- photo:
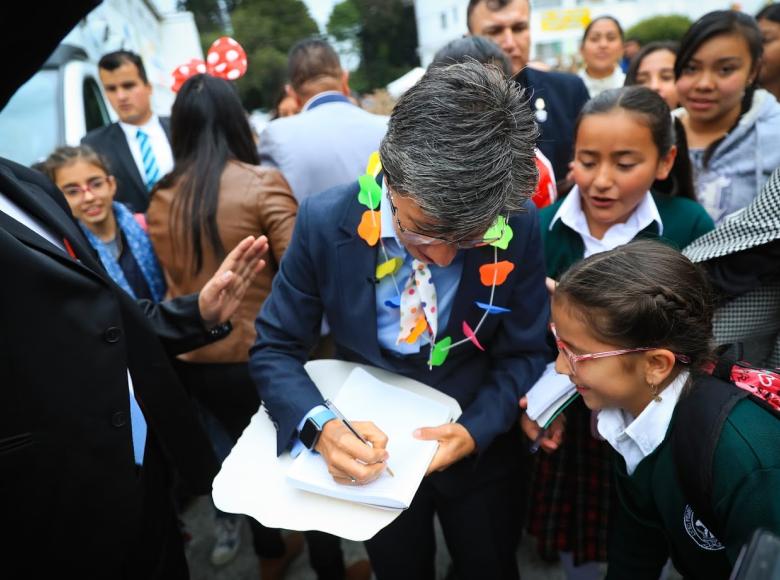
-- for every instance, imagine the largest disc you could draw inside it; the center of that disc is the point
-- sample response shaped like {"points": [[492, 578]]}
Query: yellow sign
{"points": [[566, 19]]}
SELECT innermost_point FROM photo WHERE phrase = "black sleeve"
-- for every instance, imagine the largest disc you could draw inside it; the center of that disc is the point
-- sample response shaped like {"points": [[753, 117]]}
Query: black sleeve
{"points": [[738, 273], [179, 326]]}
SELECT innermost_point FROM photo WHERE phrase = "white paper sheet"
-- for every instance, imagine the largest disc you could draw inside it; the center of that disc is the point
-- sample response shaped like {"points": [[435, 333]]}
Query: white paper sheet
{"points": [[252, 480], [397, 412]]}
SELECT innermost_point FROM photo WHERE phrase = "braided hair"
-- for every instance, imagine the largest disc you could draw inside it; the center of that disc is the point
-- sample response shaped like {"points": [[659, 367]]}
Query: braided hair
{"points": [[643, 294]]}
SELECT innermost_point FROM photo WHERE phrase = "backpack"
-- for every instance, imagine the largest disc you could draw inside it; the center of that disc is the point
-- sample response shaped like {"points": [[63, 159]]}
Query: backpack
{"points": [[701, 414]]}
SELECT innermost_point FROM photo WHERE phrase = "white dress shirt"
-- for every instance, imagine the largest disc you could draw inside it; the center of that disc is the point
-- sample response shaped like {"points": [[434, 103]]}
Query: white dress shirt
{"points": [[637, 438], [570, 213], [157, 139], [597, 86]]}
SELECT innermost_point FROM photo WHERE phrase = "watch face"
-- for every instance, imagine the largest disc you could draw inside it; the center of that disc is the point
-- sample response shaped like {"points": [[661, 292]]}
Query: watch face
{"points": [[310, 434]]}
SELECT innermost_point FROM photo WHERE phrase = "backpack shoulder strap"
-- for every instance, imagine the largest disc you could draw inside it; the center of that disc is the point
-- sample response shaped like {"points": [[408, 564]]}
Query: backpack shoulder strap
{"points": [[699, 418]]}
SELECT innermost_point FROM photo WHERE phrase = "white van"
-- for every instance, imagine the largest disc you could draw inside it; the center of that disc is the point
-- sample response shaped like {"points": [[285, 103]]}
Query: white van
{"points": [[64, 100]]}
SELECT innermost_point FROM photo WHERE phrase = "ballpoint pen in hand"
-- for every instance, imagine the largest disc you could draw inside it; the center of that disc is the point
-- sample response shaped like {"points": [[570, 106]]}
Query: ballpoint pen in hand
{"points": [[329, 404], [538, 441]]}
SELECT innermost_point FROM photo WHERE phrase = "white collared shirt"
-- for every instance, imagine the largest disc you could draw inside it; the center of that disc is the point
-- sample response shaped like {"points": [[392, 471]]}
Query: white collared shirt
{"points": [[10, 208], [597, 86], [637, 438], [570, 213], [157, 139]]}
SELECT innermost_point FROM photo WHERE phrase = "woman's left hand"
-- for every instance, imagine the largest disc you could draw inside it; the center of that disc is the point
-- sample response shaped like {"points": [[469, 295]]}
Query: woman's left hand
{"points": [[222, 294], [455, 442]]}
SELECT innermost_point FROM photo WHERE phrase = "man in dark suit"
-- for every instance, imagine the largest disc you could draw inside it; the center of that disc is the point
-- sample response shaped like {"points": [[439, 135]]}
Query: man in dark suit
{"points": [[556, 98], [137, 147], [93, 422], [435, 200]]}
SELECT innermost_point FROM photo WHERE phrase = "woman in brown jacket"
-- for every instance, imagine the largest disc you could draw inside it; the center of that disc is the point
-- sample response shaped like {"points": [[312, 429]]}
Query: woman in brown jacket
{"points": [[215, 196]]}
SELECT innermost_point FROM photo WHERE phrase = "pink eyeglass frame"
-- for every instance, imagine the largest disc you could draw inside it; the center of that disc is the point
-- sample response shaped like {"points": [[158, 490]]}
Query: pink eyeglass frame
{"points": [[575, 358]]}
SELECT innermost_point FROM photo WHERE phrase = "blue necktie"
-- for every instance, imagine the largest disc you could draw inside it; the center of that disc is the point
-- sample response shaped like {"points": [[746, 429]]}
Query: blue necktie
{"points": [[138, 425], [151, 169]]}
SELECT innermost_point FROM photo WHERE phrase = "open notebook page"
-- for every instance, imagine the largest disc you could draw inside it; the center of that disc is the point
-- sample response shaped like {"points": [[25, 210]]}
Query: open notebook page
{"points": [[398, 413]]}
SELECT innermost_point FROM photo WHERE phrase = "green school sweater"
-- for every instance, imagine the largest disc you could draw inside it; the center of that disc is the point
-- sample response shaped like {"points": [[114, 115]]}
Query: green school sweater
{"points": [[684, 220], [654, 521]]}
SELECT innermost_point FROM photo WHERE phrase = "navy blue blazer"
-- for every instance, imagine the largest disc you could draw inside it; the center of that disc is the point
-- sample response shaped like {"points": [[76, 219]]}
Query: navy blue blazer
{"points": [[563, 95], [328, 269]]}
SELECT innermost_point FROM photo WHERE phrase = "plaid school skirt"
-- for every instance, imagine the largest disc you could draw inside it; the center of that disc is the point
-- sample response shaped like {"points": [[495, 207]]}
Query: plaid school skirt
{"points": [[571, 493]]}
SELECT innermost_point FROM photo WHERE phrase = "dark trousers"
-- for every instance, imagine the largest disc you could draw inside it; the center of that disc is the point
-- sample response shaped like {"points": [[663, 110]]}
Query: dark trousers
{"points": [[228, 393], [481, 529], [157, 551]]}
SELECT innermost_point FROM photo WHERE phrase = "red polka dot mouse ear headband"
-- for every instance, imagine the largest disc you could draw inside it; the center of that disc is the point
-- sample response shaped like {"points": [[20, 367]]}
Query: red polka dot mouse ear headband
{"points": [[226, 59]]}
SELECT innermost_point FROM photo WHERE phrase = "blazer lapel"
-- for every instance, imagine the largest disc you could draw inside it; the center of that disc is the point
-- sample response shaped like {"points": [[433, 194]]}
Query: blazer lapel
{"points": [[125, 156], [165, 123], [357, 268], [40, 206]]}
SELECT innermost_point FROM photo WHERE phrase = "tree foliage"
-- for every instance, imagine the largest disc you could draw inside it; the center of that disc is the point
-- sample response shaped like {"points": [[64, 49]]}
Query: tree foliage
{"points": [[267, 29], [384, 32], [671, 27]]}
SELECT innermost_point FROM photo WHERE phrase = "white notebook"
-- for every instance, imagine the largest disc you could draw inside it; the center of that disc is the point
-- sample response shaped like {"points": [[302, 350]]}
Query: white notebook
{"points": [[549, 396], [397, 412]]}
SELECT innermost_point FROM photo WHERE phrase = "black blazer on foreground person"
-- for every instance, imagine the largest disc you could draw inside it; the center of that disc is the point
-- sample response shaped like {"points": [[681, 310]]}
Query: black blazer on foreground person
{"points": [[110, 141], [71, 499]]}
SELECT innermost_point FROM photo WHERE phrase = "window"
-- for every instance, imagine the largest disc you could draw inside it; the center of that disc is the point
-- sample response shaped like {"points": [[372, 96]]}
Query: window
{"points": [[30, 122], [444, 21], [95, 114]]}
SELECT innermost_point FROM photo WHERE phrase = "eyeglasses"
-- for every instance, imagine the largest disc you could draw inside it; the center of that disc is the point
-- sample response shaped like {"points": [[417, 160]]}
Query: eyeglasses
{"points": [[573, 359], [94, 185], [418, 239]]}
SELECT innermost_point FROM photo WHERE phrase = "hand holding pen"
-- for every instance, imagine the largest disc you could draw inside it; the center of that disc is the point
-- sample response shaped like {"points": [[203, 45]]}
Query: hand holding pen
{"points": [[547, 439], [349, 459], [329, 404]]}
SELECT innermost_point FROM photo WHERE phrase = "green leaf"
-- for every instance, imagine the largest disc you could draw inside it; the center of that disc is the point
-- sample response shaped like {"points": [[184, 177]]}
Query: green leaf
{"points": [[370, 192], [440, 351], [500, 228]]}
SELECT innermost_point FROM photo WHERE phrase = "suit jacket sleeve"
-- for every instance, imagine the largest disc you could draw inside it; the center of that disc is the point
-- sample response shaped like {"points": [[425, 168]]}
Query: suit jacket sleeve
{"points": [[178, 324], [518, 350], [288, 326]]}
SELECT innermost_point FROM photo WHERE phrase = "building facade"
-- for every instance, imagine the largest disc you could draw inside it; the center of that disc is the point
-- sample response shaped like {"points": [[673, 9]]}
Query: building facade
{"points": [[556, 25]]}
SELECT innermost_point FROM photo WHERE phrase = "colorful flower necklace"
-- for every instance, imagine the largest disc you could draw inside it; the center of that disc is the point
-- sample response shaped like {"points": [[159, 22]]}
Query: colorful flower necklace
{"points": [[490, 274]]}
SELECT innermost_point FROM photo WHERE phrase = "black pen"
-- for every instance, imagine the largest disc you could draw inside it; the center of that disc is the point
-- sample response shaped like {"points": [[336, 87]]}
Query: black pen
{"points": [[329, 404], [538, 441]]}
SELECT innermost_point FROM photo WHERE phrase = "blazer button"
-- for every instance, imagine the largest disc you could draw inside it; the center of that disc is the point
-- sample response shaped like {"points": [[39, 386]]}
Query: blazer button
{"points": [[119, 419], [112, 334]]}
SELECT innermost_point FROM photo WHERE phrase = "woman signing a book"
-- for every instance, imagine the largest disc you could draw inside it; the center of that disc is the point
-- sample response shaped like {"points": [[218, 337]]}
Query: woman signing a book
{"points": [[429, 266]]}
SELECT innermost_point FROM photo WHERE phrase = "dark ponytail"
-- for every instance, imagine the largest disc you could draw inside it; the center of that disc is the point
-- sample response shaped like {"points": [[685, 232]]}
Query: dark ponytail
{"points": [[651, 109], [643, 294]]}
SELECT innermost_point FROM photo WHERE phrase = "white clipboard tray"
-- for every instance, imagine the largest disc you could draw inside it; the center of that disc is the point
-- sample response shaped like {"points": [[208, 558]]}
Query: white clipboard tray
{"points": [[252, 478]]}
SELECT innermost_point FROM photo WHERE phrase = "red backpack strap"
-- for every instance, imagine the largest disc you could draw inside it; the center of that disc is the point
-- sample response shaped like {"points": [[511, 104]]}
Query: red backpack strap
{"points": [[763, 384]]}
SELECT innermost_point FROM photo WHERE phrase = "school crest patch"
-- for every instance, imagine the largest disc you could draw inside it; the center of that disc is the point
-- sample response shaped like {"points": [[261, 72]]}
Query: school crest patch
{"points": [[699, 533]]}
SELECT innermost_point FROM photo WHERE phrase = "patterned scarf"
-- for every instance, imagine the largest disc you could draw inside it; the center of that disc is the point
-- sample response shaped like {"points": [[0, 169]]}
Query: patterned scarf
{"points": [[139, 245]]}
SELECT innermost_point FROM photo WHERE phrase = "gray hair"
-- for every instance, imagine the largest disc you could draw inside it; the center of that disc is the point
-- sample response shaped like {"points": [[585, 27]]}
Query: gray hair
{"points": [[460, 143]]}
